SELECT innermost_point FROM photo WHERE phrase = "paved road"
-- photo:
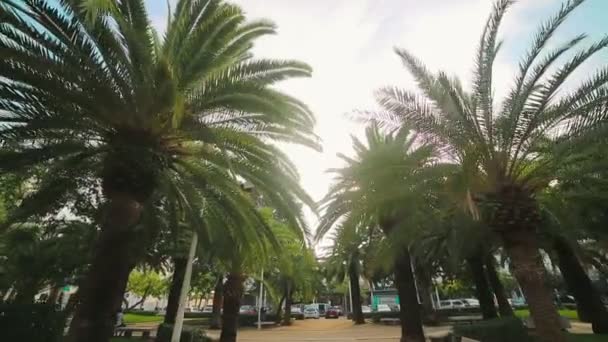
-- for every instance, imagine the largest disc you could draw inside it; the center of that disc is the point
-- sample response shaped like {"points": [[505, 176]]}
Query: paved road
{"points": [[335, 330]]}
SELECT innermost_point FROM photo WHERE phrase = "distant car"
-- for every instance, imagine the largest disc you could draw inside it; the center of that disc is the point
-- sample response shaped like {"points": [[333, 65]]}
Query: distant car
{"points": [[470, 302], [296, 312], [451, 304], [208, 309], [248, 310], [383, 308], [311, 313], [332, 312], [366, 309]]}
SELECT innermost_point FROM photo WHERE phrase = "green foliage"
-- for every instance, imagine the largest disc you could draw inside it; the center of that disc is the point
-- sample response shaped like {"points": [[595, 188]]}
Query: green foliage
{"points": [[494, 330], [92, 96], [455, 288], [32, 323], [146, 283], [49, 253]]}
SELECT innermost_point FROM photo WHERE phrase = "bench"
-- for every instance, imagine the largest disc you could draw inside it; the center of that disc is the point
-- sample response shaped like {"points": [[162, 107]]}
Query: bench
{"points": [[128, 332], [390, 321], [464, 319]]}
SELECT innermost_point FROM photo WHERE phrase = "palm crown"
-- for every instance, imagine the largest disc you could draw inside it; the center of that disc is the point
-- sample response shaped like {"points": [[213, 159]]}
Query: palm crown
{"points": [[82, 91], [502, 143]]}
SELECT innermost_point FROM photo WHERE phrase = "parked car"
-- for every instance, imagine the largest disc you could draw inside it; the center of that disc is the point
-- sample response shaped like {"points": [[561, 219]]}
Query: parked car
{"points": [[332, 312], [451, 304], [517, 302], [366, 309], [470, 302], [383, 308], [208, 309], [297, 313], [248, 310], [311, 313]]}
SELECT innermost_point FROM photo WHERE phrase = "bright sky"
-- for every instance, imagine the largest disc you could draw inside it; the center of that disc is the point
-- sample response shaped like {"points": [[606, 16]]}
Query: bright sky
{"points": [[349, 43]]}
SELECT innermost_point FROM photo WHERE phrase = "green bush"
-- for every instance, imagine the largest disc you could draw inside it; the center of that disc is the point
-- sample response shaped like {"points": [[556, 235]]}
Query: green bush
{"points": [[189, 334], [31, 323], [495, 330]]}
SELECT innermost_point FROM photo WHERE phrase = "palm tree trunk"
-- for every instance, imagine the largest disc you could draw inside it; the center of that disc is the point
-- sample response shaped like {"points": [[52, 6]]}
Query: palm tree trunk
{"points": [[588, 300], [53, 295], [177, 280], [279, 316], [114, 258], [423, 279], [218, 299], [355, 293], [233, 291], [504, 307], [522, 247], [288, 302], [482, 288], [410, 314]]}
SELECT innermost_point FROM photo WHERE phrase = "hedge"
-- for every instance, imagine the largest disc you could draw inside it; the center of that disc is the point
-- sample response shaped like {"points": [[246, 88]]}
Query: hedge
{"points": [[494, 330], [31, 323], [189, 334]]}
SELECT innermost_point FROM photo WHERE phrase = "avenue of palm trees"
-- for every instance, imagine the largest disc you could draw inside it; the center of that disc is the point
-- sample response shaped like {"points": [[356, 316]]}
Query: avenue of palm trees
{"points": [[119, 146]]}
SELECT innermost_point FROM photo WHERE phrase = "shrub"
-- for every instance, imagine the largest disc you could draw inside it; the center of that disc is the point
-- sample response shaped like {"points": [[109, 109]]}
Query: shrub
{"points": [[495, 330], [32, 323], [189, 334]]}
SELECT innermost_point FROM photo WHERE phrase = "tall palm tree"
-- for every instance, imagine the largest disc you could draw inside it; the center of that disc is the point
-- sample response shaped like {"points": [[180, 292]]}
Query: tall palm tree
{"points": [[346, 260], [390, 184], [90, 87], [497, 144]]}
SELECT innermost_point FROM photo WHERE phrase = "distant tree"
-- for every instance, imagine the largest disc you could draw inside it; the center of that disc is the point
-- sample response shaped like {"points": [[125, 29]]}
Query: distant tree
{"points": [[145, 284]]}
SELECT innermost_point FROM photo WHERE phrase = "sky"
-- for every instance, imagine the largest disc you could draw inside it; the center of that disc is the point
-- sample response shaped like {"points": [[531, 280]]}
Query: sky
{"points": [[349, 44]]}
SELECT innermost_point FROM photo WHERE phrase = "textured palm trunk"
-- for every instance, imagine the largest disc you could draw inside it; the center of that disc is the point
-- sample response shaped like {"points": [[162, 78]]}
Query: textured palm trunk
{"points": [[423, 279], [482, 287], [177, 280], [279, 317], [288, 302], [410, 313], [53, 295], [504, 307], [353, 276], [233, 291], [114, 258], [522, 247], [218, 299], [588, 299]]}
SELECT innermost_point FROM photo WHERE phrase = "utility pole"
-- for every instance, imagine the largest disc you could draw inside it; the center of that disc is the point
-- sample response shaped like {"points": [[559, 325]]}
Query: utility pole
{"points": [[179, 320], [260, 301]]}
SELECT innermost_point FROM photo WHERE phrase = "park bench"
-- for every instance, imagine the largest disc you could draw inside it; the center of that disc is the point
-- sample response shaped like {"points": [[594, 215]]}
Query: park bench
{"points": [[390, 321], [464, 319], [128, 332]]}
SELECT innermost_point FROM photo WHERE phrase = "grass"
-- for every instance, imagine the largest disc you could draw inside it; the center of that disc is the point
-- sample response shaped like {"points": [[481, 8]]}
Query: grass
{"points": [[131, 318], [570, 314], [587, 338]]}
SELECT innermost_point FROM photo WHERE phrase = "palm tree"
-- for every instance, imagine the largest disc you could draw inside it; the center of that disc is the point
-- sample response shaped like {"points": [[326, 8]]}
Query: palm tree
{"points": [[89, 87], [389, 185], [571, 211], [346, 260], [497, 145]]}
